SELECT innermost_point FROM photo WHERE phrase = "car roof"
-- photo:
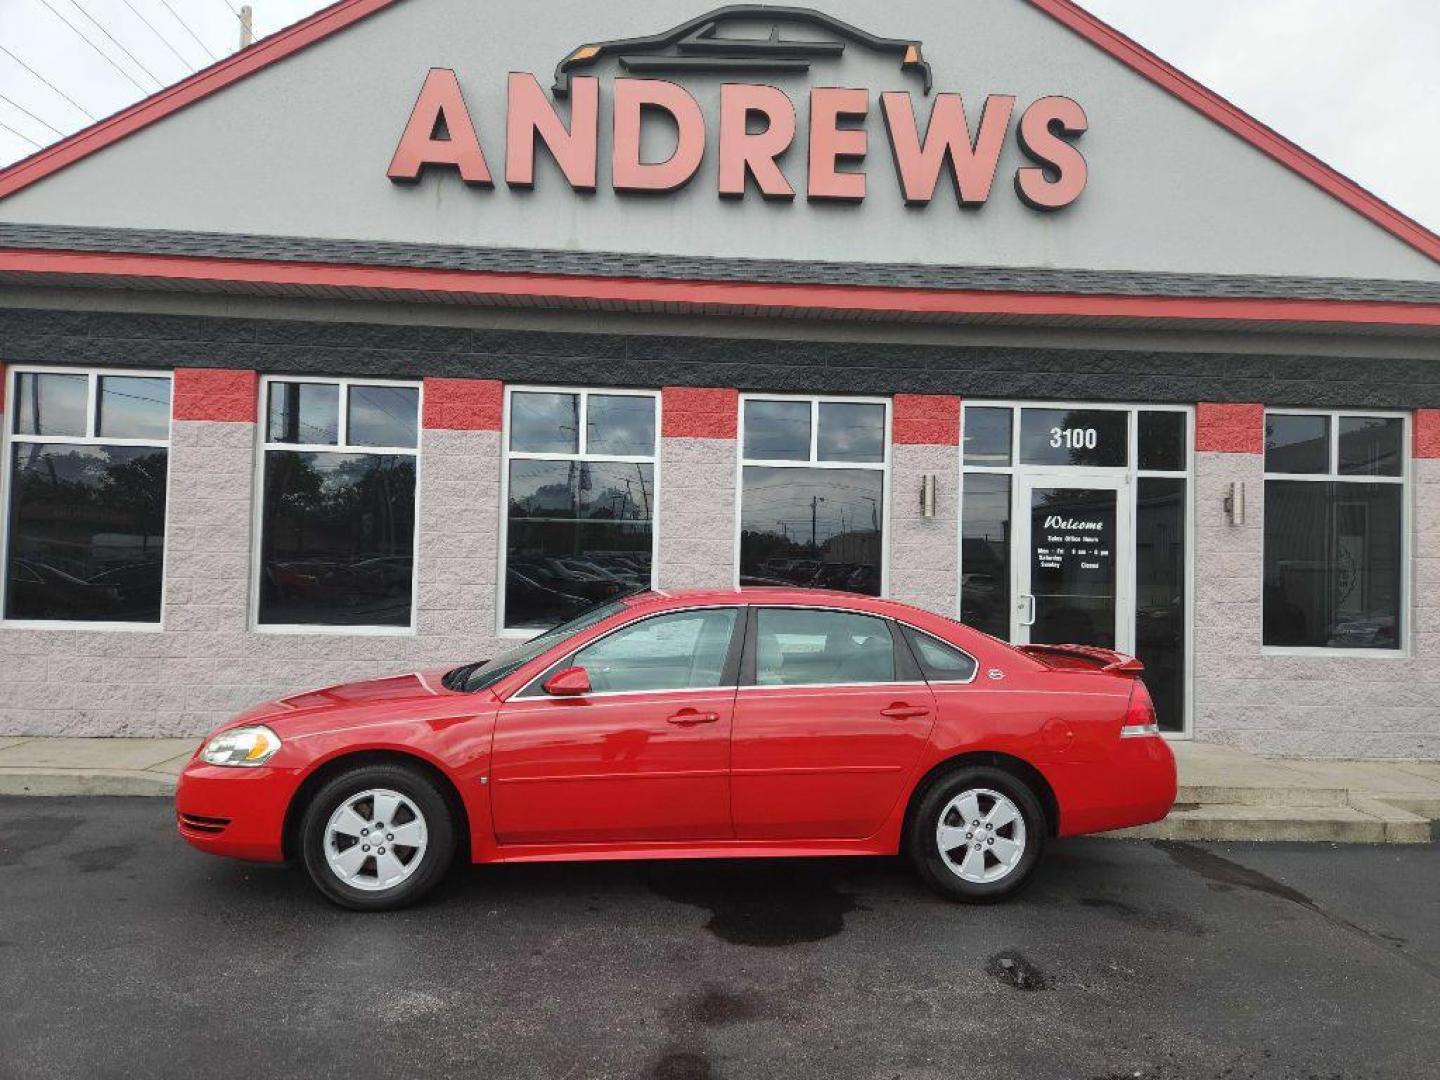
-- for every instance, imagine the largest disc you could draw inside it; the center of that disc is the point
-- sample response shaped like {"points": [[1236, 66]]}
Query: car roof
{"points": [[759, 594]]}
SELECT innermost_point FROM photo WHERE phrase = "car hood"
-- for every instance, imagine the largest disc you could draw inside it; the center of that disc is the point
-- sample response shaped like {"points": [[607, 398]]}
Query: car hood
{"points": [[344, 700]]}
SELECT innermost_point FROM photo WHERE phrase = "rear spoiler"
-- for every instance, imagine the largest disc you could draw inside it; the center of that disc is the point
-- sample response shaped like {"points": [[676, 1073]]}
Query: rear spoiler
{"points": [[1085, 656]]}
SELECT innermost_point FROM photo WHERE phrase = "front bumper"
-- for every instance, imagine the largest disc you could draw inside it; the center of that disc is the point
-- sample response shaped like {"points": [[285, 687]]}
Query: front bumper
{"points": [[235, 812]]}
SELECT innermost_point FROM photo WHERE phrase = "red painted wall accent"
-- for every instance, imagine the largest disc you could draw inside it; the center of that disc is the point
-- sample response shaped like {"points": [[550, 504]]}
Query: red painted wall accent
{"points": [[1230, 429], [215, 394], [928, 419], [699, 412], [1427, 433], [463, 404]]}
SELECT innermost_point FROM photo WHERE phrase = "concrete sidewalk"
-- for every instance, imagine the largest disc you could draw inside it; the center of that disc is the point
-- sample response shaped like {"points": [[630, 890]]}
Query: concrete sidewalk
{"points": [[1225, 794]]}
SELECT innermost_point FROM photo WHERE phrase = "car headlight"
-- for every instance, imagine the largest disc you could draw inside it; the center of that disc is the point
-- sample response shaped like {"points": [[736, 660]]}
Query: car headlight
{"points": [[245, 747]]}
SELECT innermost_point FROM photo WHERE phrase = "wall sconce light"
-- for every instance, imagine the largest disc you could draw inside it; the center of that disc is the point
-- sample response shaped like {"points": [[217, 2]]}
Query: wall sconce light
{"points": [[928, 489], [1235, 503]]}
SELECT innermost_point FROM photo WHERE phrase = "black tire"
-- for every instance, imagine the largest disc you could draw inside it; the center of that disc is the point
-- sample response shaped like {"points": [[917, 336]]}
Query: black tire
{"points": [[434, 860], [939, 871]]}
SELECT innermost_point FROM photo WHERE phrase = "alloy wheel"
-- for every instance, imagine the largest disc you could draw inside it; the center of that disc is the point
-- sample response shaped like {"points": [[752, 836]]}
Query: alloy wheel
{"points": [[981, 835], [375, 839]]}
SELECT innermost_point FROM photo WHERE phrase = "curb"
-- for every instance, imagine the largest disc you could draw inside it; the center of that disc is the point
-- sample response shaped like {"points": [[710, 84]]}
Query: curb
{"points": [[60, 782]]}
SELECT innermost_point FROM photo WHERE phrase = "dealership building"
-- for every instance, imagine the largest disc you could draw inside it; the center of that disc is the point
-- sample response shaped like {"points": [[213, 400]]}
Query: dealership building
{"points": [[424, 324]]}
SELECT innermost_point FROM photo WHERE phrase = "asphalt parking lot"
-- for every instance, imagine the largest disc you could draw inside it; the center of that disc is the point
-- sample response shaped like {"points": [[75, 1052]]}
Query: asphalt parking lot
{"points": [[125, 954]]}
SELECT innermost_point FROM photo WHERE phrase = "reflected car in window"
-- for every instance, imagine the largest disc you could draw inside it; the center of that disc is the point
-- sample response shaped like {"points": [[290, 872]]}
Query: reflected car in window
{"points": [[754, 721]]}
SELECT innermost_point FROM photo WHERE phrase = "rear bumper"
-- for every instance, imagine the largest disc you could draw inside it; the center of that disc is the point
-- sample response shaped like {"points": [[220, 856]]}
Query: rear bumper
{"points": [[1133, 786], [235, 812]]}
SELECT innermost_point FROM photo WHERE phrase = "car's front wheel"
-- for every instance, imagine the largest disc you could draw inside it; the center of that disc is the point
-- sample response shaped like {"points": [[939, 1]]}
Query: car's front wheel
{"points": [[977, 834], [377, 837]]}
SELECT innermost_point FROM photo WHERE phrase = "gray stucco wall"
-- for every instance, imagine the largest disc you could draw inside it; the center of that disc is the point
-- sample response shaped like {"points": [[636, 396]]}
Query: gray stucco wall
{"points": [[697, 513], [1306, 706], [301, 149], [924, 552]]}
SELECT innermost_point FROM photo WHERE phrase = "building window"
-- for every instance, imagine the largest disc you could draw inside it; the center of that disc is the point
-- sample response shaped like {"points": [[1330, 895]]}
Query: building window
{"points": [[580, 501], [87, 463], [1334, 531], [337, 515], [812, 496]]}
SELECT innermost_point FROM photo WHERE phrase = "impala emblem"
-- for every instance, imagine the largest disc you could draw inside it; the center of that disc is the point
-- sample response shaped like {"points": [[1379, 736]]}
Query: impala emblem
{"points": [[994, 673]]}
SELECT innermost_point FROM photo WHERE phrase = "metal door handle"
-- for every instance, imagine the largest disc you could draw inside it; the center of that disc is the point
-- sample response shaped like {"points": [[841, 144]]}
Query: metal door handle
{"points": [[901, 711], [689, 718], [1027, 602]]}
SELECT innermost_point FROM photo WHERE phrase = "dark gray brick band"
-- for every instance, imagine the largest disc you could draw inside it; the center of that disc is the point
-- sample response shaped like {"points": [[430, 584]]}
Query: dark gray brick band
{"points": [[320, 348]]}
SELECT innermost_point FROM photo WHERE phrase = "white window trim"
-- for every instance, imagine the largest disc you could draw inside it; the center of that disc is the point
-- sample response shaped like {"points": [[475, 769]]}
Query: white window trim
{"points": [[815, 462], [581, 454], [340, 446], [8, 413], [1405, 650], [1187, 473]]}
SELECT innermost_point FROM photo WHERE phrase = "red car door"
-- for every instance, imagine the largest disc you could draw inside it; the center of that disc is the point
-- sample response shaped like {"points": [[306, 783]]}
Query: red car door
{"points": [[829, 721], [644, 756]]}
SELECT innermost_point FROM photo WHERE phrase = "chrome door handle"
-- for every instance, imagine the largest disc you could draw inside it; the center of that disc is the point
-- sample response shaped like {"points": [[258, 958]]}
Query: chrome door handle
{"points": [[901, 711], [689, 718], [1027, 602]]}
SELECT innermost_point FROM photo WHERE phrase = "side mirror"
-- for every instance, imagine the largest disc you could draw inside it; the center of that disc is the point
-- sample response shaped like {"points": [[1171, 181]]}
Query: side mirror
{"points": [[568, 682]]}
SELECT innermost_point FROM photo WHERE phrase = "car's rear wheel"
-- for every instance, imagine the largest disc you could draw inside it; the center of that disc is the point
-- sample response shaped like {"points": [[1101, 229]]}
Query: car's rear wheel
{"points": [[977, 834], [377, 837]]}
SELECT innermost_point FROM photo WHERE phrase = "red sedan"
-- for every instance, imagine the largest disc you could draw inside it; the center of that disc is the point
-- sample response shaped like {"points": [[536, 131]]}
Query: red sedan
{"points": [[723, 723]]}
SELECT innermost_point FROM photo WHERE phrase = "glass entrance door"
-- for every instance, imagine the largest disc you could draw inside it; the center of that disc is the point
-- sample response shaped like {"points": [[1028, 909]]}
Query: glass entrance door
{"points": [[1073, 574]]}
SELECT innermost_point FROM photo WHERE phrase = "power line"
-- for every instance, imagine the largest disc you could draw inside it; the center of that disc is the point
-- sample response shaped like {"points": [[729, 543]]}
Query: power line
{"points": [[231, 6], [27, 112], [99, 52], [134, 59], [186, 25], [17, 134], [47, 82], [163, 39]]}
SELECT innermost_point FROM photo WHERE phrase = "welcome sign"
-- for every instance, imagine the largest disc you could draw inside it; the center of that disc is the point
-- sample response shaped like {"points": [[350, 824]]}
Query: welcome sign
{"points": [[757, 123]]}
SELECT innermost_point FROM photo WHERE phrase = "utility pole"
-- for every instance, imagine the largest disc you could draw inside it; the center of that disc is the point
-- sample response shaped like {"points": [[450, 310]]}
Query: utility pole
{"points": [[247, 26]]}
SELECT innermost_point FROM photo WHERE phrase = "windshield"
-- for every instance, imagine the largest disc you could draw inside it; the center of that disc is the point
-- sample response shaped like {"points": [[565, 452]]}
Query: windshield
{"points": [[485, 673]]}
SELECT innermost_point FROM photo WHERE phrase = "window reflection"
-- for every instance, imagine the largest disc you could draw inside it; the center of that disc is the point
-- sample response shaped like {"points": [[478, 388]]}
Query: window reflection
{"points": [[1093, 437], [338, 539], [47, 404], [578, 532], [1160, 594], [813, 527], [1297, 444], [777, 430], [304, 413], [987, 435], [1372, 445], [382, 415], [87, 532], [1333, 570], [542, 423], [985, 554], [622, 425], [851, 431]]}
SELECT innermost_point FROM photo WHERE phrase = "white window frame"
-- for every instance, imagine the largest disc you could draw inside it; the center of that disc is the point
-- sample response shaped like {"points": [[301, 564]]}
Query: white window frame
{"points": [[1131, 469], [340, 446], [90, 438], [1405, 648], [581, 454], [816, 462]]}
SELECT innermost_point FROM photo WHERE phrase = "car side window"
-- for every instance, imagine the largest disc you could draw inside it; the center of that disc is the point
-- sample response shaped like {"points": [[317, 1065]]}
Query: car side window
{"points": [[803, 646], [939, 660], [684, 650]]}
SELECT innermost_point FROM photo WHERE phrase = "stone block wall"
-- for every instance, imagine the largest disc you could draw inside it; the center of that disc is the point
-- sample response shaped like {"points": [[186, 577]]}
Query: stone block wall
{"points": [[924, 552], [696, 503]]}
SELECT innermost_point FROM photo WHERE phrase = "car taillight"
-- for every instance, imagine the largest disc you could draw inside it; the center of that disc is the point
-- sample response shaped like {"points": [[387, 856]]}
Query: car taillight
{"points": [[1140, 714]]}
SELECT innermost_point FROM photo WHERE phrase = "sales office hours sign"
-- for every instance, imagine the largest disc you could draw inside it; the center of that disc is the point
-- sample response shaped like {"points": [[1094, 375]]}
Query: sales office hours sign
{"points": [[756, 125]]}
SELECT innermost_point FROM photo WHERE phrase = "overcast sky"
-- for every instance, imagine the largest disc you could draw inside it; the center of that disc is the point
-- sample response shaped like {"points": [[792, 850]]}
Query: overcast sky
{"points": [[1356, 82]]}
